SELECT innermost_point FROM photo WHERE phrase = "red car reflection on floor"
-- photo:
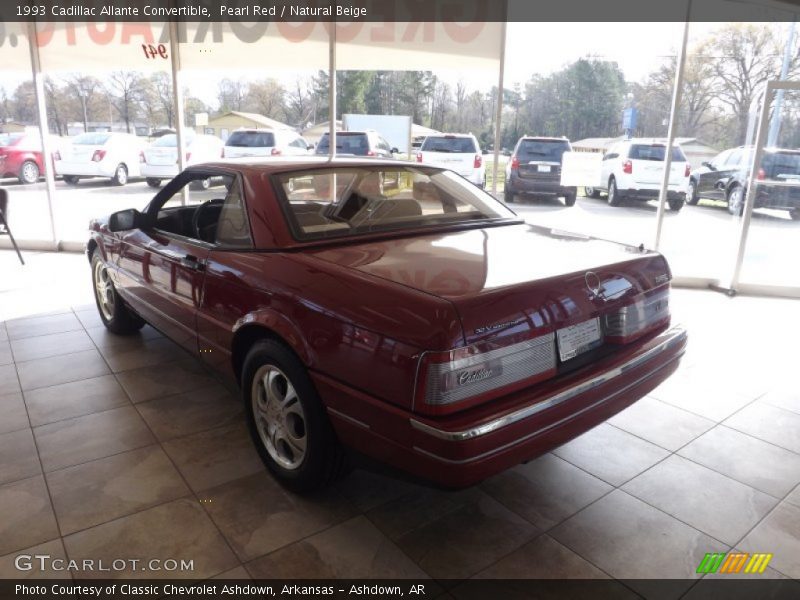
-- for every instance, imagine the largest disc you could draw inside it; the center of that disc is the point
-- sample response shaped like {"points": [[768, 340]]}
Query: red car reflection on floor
{"points": [[389, 307]]}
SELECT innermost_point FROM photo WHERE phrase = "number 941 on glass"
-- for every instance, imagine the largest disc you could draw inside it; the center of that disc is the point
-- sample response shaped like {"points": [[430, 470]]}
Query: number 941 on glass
{"points": [[151, 51]]}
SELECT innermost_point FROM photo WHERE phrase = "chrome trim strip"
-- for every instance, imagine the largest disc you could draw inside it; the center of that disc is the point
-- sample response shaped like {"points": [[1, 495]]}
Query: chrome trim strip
{"points": [[544, 429], [674, 337], [341, 415]]}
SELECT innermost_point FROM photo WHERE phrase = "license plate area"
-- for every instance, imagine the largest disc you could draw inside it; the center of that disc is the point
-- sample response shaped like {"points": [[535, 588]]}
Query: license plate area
{"points": [[576, 339], [544, 168]]}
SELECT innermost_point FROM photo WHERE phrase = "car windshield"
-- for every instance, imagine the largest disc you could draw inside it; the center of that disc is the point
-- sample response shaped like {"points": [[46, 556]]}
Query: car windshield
{"points": [[548, 150], [91, 139], [251, 139], [6, 139], [449, 143], [352, 201], [654, 152], [346, 143]]}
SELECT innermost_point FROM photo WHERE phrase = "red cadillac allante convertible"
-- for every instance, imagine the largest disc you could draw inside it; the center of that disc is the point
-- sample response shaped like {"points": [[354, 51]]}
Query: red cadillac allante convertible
{"points": [[388, 307]]}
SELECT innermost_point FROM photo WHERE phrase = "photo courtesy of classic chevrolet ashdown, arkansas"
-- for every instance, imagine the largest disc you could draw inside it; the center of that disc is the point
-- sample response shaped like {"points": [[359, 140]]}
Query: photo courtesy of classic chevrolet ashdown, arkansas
{"points": [[390, 308]]}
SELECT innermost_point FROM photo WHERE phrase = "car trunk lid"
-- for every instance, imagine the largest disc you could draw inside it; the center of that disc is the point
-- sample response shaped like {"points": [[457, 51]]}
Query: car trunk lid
{"points": [[503, 280]]}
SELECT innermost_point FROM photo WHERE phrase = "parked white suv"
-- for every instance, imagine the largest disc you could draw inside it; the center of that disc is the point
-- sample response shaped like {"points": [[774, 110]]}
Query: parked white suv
{"points": [[160, 159], [100, 154], [459, 152], [265, 142], [634, 169]]}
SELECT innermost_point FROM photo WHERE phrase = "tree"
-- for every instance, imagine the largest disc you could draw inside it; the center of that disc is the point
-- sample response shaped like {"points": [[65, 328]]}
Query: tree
{"points": [[351, 89], [87, 89], [160, 89], [743, 57], [124, 89], [267, 98], [232, 94]]}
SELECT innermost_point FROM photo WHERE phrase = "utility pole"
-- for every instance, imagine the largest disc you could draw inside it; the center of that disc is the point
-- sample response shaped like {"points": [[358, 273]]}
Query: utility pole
{"points": [[775, 124]]}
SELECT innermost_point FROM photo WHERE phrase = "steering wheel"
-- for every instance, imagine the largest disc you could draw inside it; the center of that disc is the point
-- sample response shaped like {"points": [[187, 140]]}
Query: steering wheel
{"points": [[197, 223]]}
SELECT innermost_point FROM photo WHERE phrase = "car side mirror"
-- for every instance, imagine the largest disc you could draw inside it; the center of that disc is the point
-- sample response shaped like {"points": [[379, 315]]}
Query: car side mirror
{"points": [[708, 165], [125, 220], [395, 151], [309, 146]]}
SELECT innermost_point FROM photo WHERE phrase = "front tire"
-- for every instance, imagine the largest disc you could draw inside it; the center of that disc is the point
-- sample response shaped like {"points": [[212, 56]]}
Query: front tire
{"points": [[287, 419], [201, 184], [691, 193], [29, 172], [736, 200], [71, 179], [675, 204], [614, 197], [116, 316], [120, 175], [591, 192]]}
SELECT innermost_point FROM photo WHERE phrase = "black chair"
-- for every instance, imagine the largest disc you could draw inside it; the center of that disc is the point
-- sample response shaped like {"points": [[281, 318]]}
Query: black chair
{"points": [[4, 228]]}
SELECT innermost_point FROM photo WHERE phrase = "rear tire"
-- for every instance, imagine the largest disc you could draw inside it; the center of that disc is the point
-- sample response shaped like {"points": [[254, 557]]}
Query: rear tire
{"points": [[508, 196], [71, 179], [201, 184], [153, 182], [795, 214], [287, 420], [116, 316], [691, 193], [570, 200], [614, 197], [29, 172], [120, 175], [736, 200]]}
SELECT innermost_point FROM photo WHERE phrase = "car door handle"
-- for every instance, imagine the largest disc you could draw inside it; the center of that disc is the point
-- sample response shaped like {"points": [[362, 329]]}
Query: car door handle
{"points": [[192, 262]]}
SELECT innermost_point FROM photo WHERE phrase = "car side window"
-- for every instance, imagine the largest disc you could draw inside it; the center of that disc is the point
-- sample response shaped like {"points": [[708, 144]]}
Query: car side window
{"points": [[233, 228], [734, 158]]}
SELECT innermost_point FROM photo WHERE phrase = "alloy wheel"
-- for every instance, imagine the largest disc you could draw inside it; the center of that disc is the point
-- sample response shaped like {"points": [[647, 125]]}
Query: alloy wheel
{"points": [[104, 289], [279, 417]]}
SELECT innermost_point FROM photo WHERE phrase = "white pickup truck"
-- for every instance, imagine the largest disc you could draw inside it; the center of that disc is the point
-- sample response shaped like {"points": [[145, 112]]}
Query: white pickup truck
{"points": [[634, 169]]}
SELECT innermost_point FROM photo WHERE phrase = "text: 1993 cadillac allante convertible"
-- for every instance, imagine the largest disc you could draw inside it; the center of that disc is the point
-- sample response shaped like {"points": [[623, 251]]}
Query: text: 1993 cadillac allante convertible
{"points": [[391, 308]]}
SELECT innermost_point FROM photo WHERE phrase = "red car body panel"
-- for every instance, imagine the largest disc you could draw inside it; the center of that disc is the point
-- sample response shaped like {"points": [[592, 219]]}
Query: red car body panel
{"points": [[21, 150], [360, 312]]}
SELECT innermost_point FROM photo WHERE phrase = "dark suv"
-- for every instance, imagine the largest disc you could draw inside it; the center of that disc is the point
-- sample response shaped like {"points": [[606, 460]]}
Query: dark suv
{"points": [[357, 143], [724, 177], [535, 169]]}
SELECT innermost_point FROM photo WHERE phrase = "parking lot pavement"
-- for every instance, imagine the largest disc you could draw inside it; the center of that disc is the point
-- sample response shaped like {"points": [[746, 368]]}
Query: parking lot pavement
{"points": [[699, 241]]}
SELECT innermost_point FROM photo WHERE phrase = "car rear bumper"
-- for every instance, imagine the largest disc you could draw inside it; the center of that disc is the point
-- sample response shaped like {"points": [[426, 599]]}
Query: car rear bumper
{"points": [[673, 193], [778, 197], [85, 169], [461, 450], [159, 171], [524, 185]]}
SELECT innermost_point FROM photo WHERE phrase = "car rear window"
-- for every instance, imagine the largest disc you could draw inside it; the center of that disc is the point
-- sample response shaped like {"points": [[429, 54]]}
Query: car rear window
{"points": [[352, 201], [91, 139], [346, 143], [776, 164], [547, 150], [449, 143], [653, 152], [251, 139]]}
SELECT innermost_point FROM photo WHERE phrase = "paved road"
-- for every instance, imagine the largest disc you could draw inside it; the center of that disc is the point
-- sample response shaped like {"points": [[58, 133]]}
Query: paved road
{"points": [[699, 241]]}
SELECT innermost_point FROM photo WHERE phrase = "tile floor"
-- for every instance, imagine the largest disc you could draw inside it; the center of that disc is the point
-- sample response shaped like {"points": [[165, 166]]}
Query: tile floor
{"points": [[125, 447]]}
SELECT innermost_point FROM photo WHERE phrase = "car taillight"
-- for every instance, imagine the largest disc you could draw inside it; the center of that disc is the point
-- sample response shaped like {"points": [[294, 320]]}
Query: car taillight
{"points": [[370, 153], [762, 175], [687, 171], [56, 155], [648, 311], [627, 167], [453, 380], [141, 157], [478, 162], [98, 155], [419, 156], [275, 152], [514, 162]]}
